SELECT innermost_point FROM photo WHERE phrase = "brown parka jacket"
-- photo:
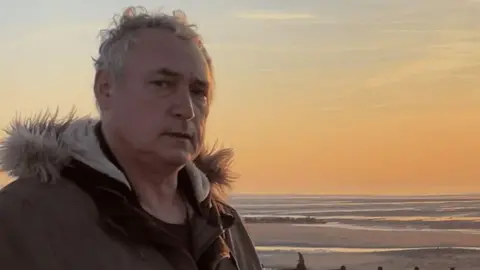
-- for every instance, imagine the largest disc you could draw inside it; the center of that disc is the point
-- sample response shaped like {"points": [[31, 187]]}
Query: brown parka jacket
{"points": [[72, 208]]}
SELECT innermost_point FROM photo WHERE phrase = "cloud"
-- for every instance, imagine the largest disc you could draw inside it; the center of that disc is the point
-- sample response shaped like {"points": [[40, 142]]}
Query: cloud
{"points": [[54, 34], [454, 53], [252, 47], [381, 106], [274, 15], [413, 31]]}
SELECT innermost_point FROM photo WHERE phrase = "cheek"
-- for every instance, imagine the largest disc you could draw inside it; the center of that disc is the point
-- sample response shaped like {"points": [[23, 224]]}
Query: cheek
{"points": [[136, 120], [200, 121], [200, 126], [201, 114]]}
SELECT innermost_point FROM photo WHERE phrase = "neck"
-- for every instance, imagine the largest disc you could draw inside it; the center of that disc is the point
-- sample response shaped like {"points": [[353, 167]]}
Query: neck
{"points": [[154, 184]]}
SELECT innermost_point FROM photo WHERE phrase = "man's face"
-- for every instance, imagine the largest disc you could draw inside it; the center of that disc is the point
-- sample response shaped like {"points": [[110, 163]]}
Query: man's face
{"points": [[159, 104]]}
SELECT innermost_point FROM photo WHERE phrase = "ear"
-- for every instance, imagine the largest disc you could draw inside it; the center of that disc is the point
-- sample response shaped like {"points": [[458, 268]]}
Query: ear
{"points": [[103, 88]]}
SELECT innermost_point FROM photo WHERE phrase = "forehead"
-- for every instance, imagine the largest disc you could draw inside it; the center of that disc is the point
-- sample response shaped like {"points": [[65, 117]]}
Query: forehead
{"points": [[156, 49]]}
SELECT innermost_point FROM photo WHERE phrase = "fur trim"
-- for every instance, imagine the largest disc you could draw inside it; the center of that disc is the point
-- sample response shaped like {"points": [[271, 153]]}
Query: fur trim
{"points": [[39, 147], [216, 162]]}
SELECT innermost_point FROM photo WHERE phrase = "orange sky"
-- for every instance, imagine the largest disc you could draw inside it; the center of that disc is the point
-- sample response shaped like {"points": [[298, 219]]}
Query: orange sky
{"points": [[315, 97]]}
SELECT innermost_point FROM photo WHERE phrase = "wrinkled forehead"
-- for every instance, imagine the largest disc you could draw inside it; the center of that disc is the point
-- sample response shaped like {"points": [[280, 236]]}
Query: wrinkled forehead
{"points": [[157, 49]]}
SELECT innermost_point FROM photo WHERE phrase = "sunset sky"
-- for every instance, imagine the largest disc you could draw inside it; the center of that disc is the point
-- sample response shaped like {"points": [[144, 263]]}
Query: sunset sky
{"points": [[316, 96]]}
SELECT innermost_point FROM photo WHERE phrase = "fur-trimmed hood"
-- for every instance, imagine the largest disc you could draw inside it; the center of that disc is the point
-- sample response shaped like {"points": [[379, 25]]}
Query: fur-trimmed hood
{"points": [[40, 146]]}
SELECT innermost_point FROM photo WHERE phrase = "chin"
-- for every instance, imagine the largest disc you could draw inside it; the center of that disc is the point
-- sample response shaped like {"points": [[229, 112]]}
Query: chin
{"points": [[177, 153], [177, 157]]}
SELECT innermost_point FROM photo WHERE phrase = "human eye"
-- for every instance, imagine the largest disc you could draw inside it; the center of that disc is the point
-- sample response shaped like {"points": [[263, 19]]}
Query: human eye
{"points": [[200, 92], [199, 89], [162, 83]]}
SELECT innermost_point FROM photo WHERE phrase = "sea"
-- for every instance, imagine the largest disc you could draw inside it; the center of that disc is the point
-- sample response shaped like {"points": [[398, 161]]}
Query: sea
{"points": [[459, 213]]}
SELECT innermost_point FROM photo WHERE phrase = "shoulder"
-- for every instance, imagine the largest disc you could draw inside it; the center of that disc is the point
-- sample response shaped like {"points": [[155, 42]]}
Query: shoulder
{"points": [[28, 199], [34, 218]]}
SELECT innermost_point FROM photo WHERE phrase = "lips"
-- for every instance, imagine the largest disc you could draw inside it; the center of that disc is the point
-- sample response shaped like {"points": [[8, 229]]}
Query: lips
{"points": [[180, 135]]}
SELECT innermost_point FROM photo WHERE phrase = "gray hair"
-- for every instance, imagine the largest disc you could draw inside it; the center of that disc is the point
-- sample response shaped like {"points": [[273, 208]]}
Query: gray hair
{"points": [[120, 37]]}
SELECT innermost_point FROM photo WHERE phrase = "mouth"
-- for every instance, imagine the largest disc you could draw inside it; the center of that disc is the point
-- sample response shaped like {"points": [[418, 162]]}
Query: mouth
{"points": [[179, 135]]}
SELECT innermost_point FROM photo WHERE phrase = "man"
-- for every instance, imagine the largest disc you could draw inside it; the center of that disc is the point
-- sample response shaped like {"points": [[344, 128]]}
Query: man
{"points": [[136, 189]]}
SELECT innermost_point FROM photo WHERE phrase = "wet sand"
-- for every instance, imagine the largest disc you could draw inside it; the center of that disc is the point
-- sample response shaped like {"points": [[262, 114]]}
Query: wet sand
{"points": [[425, 259], [355, 240]]}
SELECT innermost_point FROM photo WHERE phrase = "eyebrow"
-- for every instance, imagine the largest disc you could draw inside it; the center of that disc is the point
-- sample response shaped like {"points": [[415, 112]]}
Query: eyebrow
{"points": [[168, 72], [172, 73]]}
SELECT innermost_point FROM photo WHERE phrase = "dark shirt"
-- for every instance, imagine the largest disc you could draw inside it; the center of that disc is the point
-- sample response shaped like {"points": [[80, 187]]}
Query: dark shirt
{"points": [[181, 232]]}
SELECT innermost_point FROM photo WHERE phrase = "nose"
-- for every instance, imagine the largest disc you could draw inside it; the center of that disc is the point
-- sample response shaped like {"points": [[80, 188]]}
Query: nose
{"points": [[182, 104]]}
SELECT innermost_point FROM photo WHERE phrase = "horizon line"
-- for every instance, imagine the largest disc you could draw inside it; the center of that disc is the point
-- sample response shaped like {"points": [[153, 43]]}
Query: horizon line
{"points": [[353, 194]]}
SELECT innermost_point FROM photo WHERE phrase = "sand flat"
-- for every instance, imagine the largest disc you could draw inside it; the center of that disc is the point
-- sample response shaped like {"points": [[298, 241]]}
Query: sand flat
{"points": [[430, 259], [286, 234], [425, 259]]}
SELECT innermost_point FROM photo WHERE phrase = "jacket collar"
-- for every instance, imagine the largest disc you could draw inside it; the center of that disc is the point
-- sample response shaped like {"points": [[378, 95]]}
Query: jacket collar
{"points": [[41, 146], [203, 207]]}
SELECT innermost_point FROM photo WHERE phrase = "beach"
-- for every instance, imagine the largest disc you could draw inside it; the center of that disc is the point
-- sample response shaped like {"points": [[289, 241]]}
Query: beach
{"points": [[425, 260], [364, 232], [329, 248]]}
